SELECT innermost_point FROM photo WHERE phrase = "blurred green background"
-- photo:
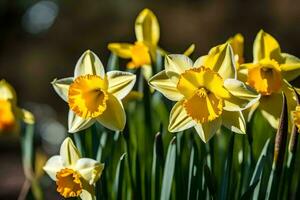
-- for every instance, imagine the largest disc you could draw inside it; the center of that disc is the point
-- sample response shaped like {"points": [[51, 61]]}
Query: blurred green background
{"points": [[42, 40]]}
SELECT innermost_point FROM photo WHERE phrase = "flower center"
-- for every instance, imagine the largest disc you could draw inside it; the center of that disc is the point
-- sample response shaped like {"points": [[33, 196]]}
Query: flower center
{"points": [[7, 119], [265, 77], [140, 55], [88, 96], [204, 93], [68, 183], [296, 117], [203, 106]]}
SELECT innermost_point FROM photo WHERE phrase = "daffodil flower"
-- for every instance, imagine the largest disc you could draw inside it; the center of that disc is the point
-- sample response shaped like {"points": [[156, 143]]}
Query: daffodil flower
{"points": [[206, 92], [94, 95], [10, 113], [269, 74], [143, 51], [74, 176]]}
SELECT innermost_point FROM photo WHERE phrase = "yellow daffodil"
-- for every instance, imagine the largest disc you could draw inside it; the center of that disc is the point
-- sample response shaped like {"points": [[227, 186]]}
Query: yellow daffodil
{"points": [[94, 95], [207, 93], [143, 51], [10, 113], [269, 74], [74, 176]]}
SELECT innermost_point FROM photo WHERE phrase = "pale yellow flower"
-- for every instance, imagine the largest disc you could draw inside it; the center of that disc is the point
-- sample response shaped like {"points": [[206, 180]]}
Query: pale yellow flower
{"points": [[269, 74], [206, 92], [10, 113], [143, 51], [74, 176], [94, 95]]}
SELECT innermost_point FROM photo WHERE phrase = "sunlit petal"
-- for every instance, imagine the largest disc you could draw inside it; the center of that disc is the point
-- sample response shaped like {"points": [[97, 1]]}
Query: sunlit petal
{"points": [[120, 83], [76, 123], [163, 84], [89, 63], [113, 117], [61, 87], [179, 120]]}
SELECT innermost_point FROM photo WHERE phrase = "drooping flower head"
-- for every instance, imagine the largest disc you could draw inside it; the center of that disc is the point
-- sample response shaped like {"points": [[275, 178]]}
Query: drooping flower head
{"points": [[10, 113], [74, 176], [269, 74], [206, 92], [93, 95], [143, 51]]}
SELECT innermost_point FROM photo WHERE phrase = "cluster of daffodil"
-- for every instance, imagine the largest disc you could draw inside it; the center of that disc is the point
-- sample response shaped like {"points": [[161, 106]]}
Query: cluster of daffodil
{"points": [[218, 89]]}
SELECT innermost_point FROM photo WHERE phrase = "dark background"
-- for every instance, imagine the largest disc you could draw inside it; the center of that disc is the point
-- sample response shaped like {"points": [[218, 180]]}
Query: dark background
{"points": [[42, 40]]}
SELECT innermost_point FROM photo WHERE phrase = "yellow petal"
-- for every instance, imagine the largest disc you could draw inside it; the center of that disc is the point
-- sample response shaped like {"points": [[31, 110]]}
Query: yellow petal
{"points": [[291, 67], [207, 130], [89, 63], [164, 85], [120, 83], [266, 46], [123, 50], [196, 78], [53, 165], [242, 96], [176, 64], [27, 116], [69, 153], [270, 107], [7, 92], [189, 50], [89, 169], [61, 87], [76, 123], [237, 44], [234, 121], [220, 59], [113, 117], [147, 27], [179, 120]]}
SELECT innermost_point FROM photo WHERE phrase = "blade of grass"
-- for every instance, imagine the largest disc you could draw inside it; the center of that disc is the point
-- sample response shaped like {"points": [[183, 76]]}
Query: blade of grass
{"points": [[169, 171]]}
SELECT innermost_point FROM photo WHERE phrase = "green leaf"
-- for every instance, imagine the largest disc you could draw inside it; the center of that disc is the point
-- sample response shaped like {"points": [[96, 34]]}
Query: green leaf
{"points": [[248, 194], [209, 181], [157, 164], [118, 183], [113, 62], [227, 170], [169, 171], [257, 174]]}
